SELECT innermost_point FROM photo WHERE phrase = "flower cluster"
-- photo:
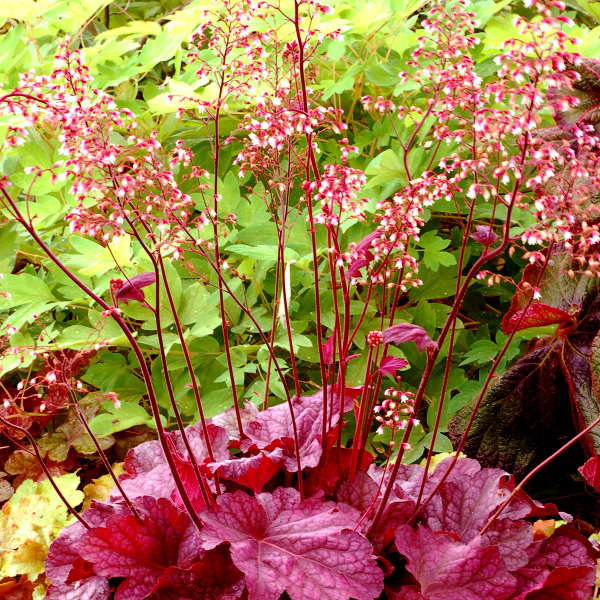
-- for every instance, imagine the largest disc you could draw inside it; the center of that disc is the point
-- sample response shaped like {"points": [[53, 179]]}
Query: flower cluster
{"points": [[119, 178], [395, 410]]}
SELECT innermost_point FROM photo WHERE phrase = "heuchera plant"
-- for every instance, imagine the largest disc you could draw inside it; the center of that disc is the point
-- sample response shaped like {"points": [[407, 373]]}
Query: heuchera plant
{"points": [[288, 499]]}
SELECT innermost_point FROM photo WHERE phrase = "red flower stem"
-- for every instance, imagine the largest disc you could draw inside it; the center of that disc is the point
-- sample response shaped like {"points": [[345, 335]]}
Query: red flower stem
{"points": [[286, 312], [38, 455], [224, 323], [448, 365], [537, 469], [163, 356], [433, 352], [168, 384], [188, 361], [134, 345], [311, 162]]}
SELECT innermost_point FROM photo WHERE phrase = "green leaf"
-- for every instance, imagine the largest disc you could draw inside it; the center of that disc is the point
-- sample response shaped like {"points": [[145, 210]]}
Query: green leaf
{"points": [[23, 288], [433, 254], [129, 414]]}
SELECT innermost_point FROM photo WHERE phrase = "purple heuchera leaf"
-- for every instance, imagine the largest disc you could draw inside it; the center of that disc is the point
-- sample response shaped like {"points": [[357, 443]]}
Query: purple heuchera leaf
{"points": [[450, 570], [228, 419], [147, 472], [215, 577], [141, 551], [406, 332], [484, 235], [132, 288], [250, 471], [72, 577], [391, 364], [273, 428], [284, 544]]}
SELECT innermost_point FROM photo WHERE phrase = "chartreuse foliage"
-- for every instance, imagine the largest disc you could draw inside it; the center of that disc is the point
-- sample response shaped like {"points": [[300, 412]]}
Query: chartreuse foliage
{"points": [[271, 257], [30, 521]]}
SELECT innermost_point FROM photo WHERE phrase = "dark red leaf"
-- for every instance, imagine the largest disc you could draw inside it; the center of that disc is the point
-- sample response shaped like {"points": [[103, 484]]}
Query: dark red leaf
{"points": [[213, 578], [523, 417], [283, 544], [252, 471], [407, 332], [566, 583], [535, 315], [140, 552], [590, 472], [450, 570], [273, 428], [564, 549], [132, 288], [550, 277]]}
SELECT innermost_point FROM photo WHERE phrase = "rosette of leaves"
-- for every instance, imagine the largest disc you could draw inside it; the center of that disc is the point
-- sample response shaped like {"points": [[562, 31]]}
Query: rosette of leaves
{"points": [[260, 539], [527, 412]]}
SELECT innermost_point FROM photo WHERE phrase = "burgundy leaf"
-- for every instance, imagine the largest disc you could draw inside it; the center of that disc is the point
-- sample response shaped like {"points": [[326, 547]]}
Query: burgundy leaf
{"points": [[580, 364], [72, 577], [406, 332], [391, 364], [132, 288], [590, 472], [566, 583], [213, 578], [450, 570], [536, 314], [140, 552], [564, 549], [484, 235], [283, 544], [273, 428], [253, 471], [523, 417], [147, 472]]}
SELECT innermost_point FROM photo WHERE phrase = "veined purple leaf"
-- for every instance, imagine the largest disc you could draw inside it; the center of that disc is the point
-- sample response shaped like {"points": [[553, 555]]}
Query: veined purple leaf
{"points": [[407, 332], [140, 552], [450, 570], [272, 428], [283, 544], [147, 472], [252, 472], [132, 288]]}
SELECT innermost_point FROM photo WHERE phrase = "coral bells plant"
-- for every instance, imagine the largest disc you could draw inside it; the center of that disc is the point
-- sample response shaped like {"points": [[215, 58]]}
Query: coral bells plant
{"points": [[302, 488]]}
